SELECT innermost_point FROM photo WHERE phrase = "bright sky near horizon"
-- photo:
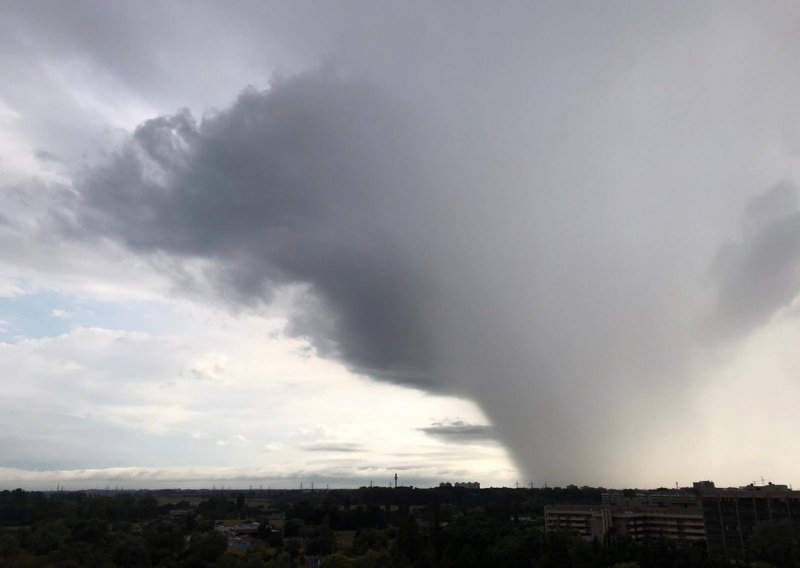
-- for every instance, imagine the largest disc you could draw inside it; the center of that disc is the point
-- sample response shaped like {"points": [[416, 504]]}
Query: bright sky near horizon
{"points": [[261, 243]]}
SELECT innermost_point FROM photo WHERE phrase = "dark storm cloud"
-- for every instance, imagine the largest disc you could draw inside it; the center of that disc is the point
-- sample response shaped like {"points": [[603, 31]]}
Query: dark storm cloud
{"points": [[760, 273], [516, 203], [462, 432], [302, 184]]}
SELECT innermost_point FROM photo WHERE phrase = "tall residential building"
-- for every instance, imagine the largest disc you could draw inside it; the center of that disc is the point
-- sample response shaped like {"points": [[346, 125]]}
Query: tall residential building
{"points": [[724, 518], [587, 521], [641, 516], [674, 523], [731, 515]]}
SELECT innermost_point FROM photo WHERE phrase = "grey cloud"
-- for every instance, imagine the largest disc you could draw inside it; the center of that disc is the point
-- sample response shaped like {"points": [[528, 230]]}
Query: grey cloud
{"points": [[335, 447], [46, 156], [459, 431], [194, 477], [293, 185], [760, 273], [511, 203]]}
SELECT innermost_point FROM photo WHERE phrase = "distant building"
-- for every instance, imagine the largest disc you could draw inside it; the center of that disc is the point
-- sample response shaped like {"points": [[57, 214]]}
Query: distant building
{"points": [[639, 515], [462, 484], [674, 523], [724, 518], [731, 515], [587, 521], [238, 529], [650, 499], [702, 485], [175, 514]]}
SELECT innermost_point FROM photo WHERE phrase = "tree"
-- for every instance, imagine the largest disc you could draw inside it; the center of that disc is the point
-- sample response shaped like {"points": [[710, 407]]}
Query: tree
{"points": [[207, 547], [324, 541], [130, 551], [164, 540], [9, 546], [336, 561], [467, 558], [369, 539], [776, 543], [283, 560], [408, 544], [374, 559]]}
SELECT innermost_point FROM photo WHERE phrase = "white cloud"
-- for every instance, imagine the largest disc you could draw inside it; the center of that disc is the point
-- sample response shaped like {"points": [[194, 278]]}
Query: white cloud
{"points": [[9, 289], [275, 477], [259, 405]]}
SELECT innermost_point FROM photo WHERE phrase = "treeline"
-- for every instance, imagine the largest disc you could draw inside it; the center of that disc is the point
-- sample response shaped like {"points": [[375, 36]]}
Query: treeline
{"points": [[372, 506], [367, 528], [71, 530], [20, 507]]}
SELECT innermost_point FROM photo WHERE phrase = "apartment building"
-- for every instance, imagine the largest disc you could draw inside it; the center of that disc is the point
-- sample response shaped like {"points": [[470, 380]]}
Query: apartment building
{"points": [[675, 523], [587, 521], [731, 515], [640, 516], [723, 517]]}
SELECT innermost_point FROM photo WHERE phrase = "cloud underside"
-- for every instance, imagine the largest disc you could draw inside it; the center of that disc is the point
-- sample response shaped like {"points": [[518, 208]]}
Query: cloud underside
{"points": [[185, 477], [282, 189], [759, 273], [532, 222], [416, 273], [461, 432], [334, 447]]}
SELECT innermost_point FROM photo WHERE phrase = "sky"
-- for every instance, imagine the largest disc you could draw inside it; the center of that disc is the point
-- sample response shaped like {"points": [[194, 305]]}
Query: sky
{"points": [[268, 243]]}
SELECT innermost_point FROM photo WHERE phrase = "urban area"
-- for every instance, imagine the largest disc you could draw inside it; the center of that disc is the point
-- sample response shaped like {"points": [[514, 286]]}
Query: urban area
{"points": [[452, 525]]}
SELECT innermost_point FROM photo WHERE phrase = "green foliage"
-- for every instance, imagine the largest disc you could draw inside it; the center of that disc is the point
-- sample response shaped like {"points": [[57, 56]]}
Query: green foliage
{"points": [[49, 536], [164, 540], [90, 531], [337, 561], [369, 539], [218, 507], [130, 551], [408, 544], [322, 541], [776, 543], [294, 528], [373, 559], [383, 528], [207, 547], [9, 546], [283, 560], [467, 558]]}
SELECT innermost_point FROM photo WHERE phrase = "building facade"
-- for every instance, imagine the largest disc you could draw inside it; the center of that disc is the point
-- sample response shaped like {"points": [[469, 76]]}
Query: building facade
{"points": [[731, 515], [587, 521], [724, 518], [640, 516], [671, 523]]}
